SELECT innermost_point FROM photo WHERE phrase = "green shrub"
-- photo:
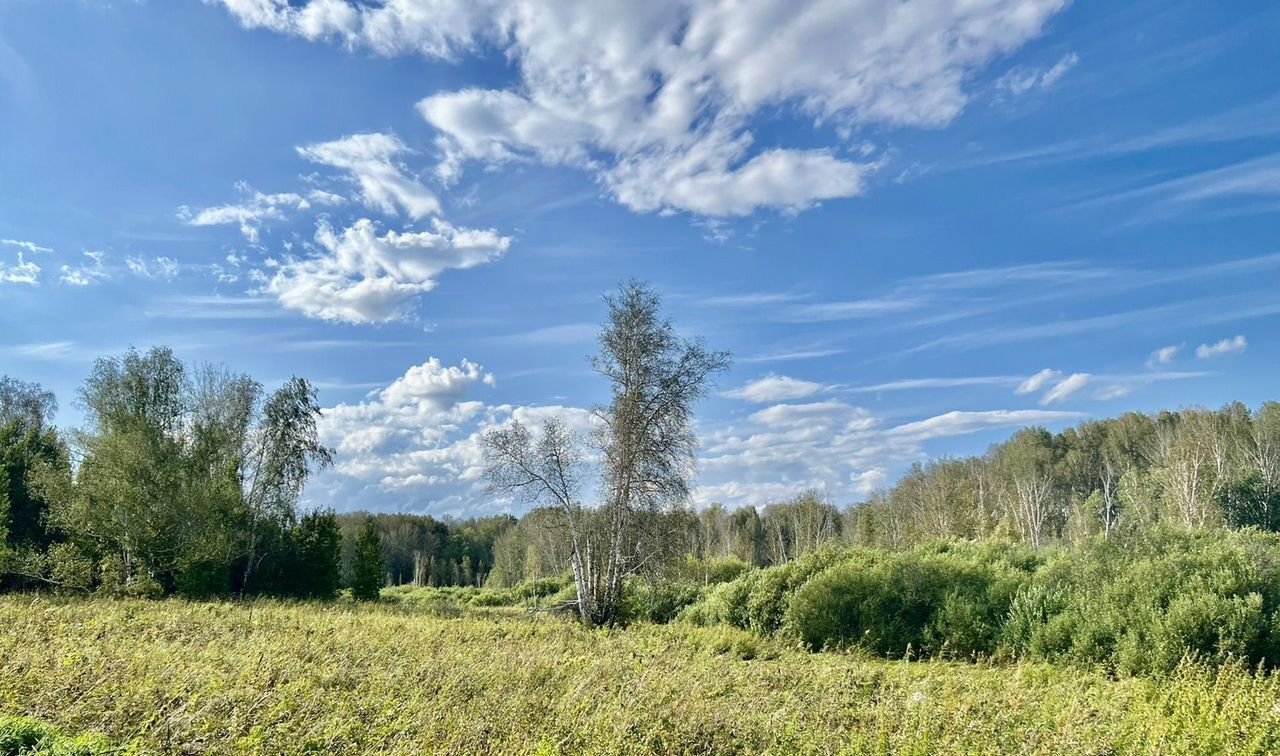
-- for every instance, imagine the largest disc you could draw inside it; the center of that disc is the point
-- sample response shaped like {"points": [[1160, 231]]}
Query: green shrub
{"points": [[929, 601], [657, 600], [23, 735]]}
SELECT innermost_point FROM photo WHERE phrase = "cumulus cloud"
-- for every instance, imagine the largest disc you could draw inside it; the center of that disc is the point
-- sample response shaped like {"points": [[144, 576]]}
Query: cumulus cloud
{"points": [[1037, 381], [1020, 80], [418, 443], [1163, 356], [371, 161], [1065, 388], [868, 481], [418, 440], [657, 100], [248, 214], [359, 275], [787, 448], [1235, 345], [775, 388], [24, 272]]}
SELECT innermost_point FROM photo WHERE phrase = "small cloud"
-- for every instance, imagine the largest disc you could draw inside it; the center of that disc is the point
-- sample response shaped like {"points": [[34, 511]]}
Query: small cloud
{"points": [[775, 388], [1037, 381], [1065, 388], [1163, 356], [1222, 348], [1020, 80], [869, 480], [164, 268], [49, 350], [84, 275], [1114, 391], [23, 273], [31, 247]]}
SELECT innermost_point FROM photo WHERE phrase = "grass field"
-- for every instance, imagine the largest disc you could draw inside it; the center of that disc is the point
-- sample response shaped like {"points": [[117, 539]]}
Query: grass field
{"points": [[270, 677]]}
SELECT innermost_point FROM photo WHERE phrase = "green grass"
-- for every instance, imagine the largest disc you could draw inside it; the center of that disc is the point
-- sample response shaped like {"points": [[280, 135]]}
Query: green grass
{"points": [[271, 677], [23, 736]]}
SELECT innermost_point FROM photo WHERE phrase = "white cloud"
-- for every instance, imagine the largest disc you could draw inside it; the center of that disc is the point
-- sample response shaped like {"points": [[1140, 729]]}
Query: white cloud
{"points": [[321, 197], [775, 388], [164, 268], [1020, 80], [361, 276], [787, 448], [1235, 345], [25, 272], [371, 161], [657, 99], [248, 214], [417, 443], [1114, 391], [867, 481], [958, 423], [31, 247], [1037, 381], [48, 350], [1163, 356], [1065, 388], [85, 274]]}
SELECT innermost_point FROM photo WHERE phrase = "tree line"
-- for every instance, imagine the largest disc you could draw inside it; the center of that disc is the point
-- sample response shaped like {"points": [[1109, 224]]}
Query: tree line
{"points": [[188, 480], [1193, 469]]}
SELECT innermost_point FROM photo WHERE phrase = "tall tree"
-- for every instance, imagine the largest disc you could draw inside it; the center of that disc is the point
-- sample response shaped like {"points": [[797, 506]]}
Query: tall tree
{"points": [[644, 439], [368, 574], [282, 450]]}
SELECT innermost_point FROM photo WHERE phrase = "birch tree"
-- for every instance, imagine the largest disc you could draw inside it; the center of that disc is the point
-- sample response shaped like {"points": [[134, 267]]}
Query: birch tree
{"points": [[645, 445]]}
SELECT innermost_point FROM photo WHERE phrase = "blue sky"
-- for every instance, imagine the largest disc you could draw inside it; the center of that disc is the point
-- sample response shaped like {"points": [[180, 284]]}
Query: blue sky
{"points": [[917, 225]]}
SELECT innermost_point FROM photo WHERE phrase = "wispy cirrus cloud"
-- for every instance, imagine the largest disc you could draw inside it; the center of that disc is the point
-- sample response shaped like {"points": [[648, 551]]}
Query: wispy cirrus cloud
{"points": [[1023, 79], [30, 247]]}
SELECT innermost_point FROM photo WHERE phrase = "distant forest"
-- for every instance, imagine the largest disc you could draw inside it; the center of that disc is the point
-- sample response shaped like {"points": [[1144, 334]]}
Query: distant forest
{"points": [[187, 480], [1192, 469]]}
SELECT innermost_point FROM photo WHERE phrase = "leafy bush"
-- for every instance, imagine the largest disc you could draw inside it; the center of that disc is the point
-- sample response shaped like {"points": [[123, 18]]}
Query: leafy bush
{"points": [[22, 735], [1136, 606], [950, 600], [1142, 605]]}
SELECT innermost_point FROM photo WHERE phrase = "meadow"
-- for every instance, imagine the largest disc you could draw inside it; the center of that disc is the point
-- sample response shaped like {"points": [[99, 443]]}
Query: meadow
{"points": [[431, 676]]}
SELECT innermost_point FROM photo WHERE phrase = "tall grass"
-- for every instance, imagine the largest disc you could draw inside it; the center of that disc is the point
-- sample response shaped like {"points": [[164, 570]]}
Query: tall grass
{"points": [[273, 677]]}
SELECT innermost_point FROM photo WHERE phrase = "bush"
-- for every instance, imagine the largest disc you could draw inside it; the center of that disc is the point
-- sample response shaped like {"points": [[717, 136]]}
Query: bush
{"points": [[1140, 606], [937, 601], [657, 601]]}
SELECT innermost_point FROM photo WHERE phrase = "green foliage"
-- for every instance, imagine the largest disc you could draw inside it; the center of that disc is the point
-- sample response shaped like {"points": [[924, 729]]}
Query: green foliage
{"points": [[70, 568], [1136, 606], [947, 600], [318, 562], [20, 736], [367, 571], [1141, 606]]}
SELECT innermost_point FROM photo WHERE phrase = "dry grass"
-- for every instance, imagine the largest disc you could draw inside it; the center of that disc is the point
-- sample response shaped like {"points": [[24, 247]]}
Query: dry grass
{"points": [[271, 677]]}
